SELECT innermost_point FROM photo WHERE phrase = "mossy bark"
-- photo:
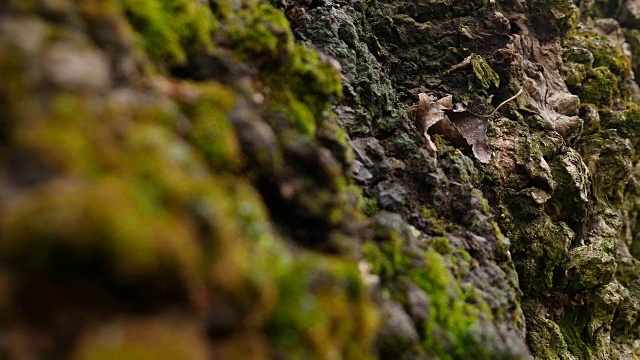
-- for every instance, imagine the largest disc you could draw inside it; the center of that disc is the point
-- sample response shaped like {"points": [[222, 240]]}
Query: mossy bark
{"points": [[244, 179]]}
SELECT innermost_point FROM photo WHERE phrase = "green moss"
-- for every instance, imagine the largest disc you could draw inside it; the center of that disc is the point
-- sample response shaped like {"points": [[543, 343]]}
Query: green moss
{"points": [[447, 332], [459, 166], [382, 266], [208, 106], [133, 197], [479, 202], [170, 30], [544, 336], [261, 34], [599, 88], [102, 232], [369, 206], [484, 74], [64, 139], [143, 338], [163, 165], [588, 267], [574, 74], [606, 154], [23, 5], [441, 245], [577, 330], [258, 32], [632, 37], [314, 79], [606, 68], [625, 123], [324, 311], [299, 83], [132, 201], [428, 213], [240, 246], [572, 187], [332, 136], [455, 317], [603, 52], [303, 89], [303, 119], [554, 17], [538, 248]]}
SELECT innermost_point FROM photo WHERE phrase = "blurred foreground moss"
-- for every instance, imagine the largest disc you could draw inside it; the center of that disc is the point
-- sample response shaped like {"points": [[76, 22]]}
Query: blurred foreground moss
{"points": [[131, 200]]}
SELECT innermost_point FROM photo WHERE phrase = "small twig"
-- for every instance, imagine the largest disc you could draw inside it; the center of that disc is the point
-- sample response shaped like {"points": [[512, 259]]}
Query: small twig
{"points": [[460, 65], [413, 128], [501, 104]]}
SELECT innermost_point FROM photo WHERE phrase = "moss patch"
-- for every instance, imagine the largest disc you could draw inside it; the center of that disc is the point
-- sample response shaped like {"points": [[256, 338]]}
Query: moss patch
{"points": [[170, 30], [447, 333]]}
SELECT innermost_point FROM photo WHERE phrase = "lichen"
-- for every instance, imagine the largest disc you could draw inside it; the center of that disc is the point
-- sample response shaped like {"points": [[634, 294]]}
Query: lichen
{"points": [[485, 76]]}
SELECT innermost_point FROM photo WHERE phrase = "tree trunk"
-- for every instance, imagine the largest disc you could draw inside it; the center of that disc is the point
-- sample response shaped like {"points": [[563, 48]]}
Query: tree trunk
{"points": [[319, 179]]}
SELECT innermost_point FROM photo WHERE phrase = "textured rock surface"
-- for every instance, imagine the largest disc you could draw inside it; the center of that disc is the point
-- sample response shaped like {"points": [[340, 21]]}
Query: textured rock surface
{"points": [[560, 181], [189, 179]]}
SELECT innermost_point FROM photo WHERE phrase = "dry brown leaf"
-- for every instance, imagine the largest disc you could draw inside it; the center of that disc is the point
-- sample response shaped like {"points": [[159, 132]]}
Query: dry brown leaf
{"points": [[459, 127], [474, 130], [430, 112]]}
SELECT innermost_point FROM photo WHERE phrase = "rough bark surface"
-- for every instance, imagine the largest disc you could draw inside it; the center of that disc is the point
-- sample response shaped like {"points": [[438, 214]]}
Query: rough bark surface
{"points": [[193, 179]]}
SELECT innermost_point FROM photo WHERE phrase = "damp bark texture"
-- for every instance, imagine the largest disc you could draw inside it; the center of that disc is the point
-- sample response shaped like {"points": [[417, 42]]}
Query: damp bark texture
{"points": [[319, 179]]}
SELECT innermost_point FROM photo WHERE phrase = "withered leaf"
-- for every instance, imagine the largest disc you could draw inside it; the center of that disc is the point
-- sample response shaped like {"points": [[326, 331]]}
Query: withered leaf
{"points": [[474, 131], [431, 112], [457, 126]]}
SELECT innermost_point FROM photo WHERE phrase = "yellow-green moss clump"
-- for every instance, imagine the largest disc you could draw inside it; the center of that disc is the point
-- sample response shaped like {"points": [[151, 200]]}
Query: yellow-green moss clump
{"points": [[207, 106], [299, 85], [163, 338], [484, 75], [307, 322], [170, 30]]}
